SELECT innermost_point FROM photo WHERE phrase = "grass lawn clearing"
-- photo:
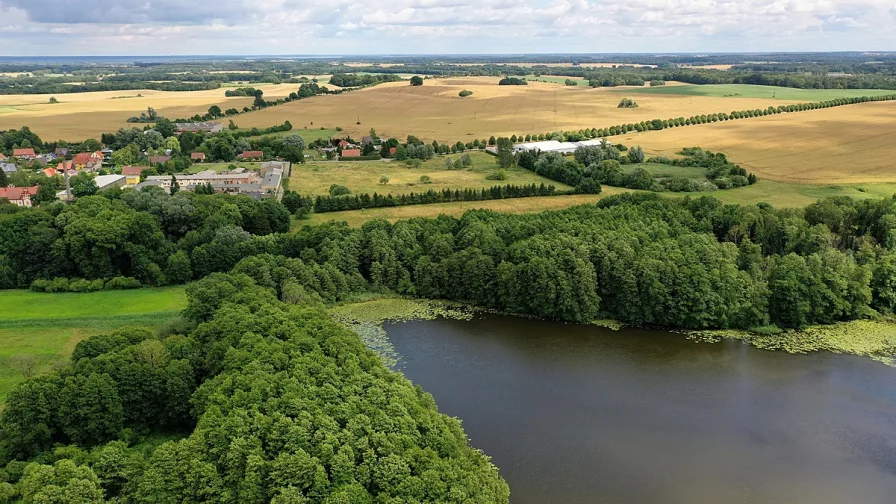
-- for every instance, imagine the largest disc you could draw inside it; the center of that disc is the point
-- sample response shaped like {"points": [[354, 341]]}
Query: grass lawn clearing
{"points": [[46, 327], [315, 178]]}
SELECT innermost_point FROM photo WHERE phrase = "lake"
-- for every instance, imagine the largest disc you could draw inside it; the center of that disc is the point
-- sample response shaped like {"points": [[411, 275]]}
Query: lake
{"points": [[581, 414]]}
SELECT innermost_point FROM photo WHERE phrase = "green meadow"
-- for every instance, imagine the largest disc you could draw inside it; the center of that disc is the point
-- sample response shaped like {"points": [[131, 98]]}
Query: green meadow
{"points": [[39, 330]]}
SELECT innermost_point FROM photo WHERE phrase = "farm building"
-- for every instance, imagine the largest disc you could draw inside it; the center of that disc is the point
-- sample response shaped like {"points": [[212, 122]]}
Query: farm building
{"points": [[251, 154], [350, 153], [109, 181], [208, 127], [597, 142], [547, 146]]}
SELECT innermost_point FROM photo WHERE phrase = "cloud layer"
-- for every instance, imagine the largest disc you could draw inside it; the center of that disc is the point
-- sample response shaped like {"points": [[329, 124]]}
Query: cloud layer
{"points": [[57, 27]]}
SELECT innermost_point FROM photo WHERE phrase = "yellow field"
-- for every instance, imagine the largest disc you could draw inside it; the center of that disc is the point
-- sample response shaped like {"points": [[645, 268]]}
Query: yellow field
{"points": [[434, 111], [586, 64], [513, 205], [841, 145], [82, 115], [364, 176]]}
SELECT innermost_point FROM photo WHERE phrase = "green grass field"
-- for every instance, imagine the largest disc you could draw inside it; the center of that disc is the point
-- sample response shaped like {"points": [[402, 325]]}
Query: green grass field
{"points": [[219, 167], [663, 170], [309, 135], [752, 91], [364, 176], [46, 327]]}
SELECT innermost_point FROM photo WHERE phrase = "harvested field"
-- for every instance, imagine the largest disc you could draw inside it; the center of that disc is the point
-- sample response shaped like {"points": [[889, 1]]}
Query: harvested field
{"points": [[778, 194], [514, 205], [753, 91], [364, 176], [434, 111], [82, 115], [841, 145]]}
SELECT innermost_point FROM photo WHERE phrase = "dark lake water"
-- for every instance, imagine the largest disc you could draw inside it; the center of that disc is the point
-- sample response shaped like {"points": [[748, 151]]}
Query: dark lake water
{"points": [[577, 414]]}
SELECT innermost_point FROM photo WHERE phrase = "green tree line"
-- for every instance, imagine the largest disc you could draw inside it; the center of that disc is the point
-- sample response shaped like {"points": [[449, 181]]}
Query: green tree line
{"points": [[360, 201]]}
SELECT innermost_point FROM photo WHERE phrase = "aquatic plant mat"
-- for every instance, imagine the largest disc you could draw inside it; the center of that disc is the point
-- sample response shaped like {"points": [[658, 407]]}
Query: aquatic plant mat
{"points": [[867, 338], [366, 319]]}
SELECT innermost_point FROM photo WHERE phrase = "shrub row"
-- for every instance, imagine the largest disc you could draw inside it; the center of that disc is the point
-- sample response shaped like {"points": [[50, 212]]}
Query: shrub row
{"points": [[62, 284]]}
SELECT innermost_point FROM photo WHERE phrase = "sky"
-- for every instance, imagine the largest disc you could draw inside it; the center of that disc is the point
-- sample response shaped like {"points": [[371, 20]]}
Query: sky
{"points": [[304, 27]]}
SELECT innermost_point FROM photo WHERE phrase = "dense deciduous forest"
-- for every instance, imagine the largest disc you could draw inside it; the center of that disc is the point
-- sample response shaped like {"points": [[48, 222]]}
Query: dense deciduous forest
{"points": [[637, 258], [266, 401]]}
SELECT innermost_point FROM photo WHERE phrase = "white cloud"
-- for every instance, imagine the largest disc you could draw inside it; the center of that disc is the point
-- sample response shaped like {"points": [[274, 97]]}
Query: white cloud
{"points": [[444, 26]]}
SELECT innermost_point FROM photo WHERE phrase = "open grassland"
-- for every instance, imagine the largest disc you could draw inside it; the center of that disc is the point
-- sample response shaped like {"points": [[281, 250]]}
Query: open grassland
{"points": [[46, 327], [364, 176], [789, 195], [840, 145], [513, 205], [219, 167], [752, 91], [434, 111], [82, 115]]}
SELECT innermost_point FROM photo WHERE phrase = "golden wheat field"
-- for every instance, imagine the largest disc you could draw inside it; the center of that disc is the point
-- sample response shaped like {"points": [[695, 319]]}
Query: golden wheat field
{"points": [[82, 115], [513, 205], [434, 111], [841, 145]]}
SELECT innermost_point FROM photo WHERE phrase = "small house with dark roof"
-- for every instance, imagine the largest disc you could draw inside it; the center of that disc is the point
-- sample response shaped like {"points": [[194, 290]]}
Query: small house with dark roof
{"points": [[159, 159]]}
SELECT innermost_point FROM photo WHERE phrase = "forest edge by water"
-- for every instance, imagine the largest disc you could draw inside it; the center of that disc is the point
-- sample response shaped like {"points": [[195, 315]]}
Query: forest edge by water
{"points": [[875, 339]]}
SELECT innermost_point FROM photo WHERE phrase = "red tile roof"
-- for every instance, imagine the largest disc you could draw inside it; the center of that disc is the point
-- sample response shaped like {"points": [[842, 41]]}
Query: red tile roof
{"points": [[133, 170], [343, 142], [251, 154], [393, 150], [50, 172], [197, 155], [23, 152], [2, 157], [81, 159], [351, 153], [17, 193]]}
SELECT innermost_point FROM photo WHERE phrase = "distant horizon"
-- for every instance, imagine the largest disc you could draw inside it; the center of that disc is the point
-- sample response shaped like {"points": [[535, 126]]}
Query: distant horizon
{"points": [[655, 54]]}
